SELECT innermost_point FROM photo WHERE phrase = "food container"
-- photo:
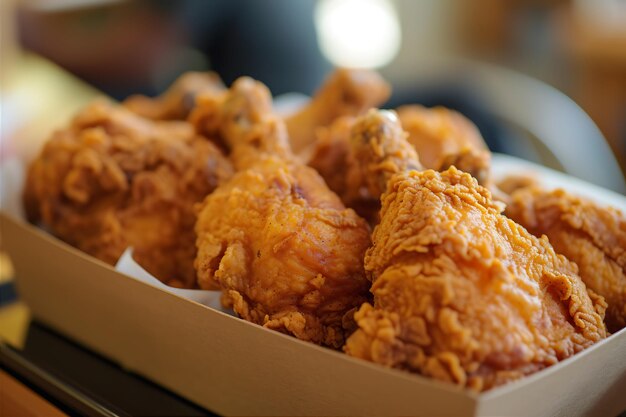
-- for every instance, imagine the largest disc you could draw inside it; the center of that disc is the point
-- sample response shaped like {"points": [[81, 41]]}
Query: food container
{"points": [[234, 367]]}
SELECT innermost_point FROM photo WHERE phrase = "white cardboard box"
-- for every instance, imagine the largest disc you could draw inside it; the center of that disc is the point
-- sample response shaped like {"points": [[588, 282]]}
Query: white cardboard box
{"points": [[234, 367]]}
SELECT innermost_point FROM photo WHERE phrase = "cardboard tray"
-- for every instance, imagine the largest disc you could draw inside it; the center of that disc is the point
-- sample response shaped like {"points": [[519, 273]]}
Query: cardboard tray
{"points": [[237, 368]]}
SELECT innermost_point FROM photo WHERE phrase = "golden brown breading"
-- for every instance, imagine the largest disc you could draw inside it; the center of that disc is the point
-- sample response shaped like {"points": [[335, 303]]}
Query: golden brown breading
{"points": [[445, 138], [463, 294], [112, 180], [592, 236], [282, 247], [178, 101], [347, 92]]}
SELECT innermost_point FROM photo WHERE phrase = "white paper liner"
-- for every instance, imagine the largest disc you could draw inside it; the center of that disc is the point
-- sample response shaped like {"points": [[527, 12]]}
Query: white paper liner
{"points": [[128, 266]]}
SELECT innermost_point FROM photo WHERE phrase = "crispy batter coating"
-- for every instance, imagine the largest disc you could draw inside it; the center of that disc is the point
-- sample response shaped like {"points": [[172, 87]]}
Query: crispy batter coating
{"points": [[591, 235], [463, 294], [445, 138], [282, 247], [111, 180], [178, 101], [346, 92]]}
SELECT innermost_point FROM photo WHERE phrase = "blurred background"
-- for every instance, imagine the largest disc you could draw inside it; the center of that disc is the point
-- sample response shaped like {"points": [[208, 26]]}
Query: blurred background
{"points": [[544, 80], [514, 67]]}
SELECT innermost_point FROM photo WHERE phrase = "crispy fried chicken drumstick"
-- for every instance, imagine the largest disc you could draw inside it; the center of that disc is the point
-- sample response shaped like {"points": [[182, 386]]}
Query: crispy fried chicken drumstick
{"points": [[280, 245], [347, 92], [592, 236], [374, 149], [463, 294], [112, 180], [178, 101]]}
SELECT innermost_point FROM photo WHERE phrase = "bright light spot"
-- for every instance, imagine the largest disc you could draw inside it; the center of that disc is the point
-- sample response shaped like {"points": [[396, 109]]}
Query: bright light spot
{"points": [[358, 33]]}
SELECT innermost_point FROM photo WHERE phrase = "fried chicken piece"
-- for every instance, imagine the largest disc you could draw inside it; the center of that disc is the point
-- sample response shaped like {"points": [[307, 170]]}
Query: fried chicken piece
{"points": [[235, 120], [445, 138], [461, 293], [592, 236], [282, 247], [347, 92], [357, 157], [178, 101], [378, 149], [441, 138], [112, 180]]}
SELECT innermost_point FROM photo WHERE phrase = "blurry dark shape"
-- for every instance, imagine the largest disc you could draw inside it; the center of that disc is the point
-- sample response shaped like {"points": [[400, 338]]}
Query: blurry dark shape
{"points": [[141, 46], [82, 383], [114, 47], [273, 41], [8, 294]]}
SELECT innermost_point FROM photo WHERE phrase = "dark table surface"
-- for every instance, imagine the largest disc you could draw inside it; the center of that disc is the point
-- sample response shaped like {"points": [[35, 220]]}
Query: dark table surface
{"points": [[80, 382]]}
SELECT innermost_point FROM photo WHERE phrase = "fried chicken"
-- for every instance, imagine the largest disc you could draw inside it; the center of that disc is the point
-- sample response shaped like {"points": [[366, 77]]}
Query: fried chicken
{"points": [[112, 180], [281, 246], [376, 149], [178, 101], [445, 138], [592, 236], [330, 155], [441, 138], [347, 92], [461, 293]]}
